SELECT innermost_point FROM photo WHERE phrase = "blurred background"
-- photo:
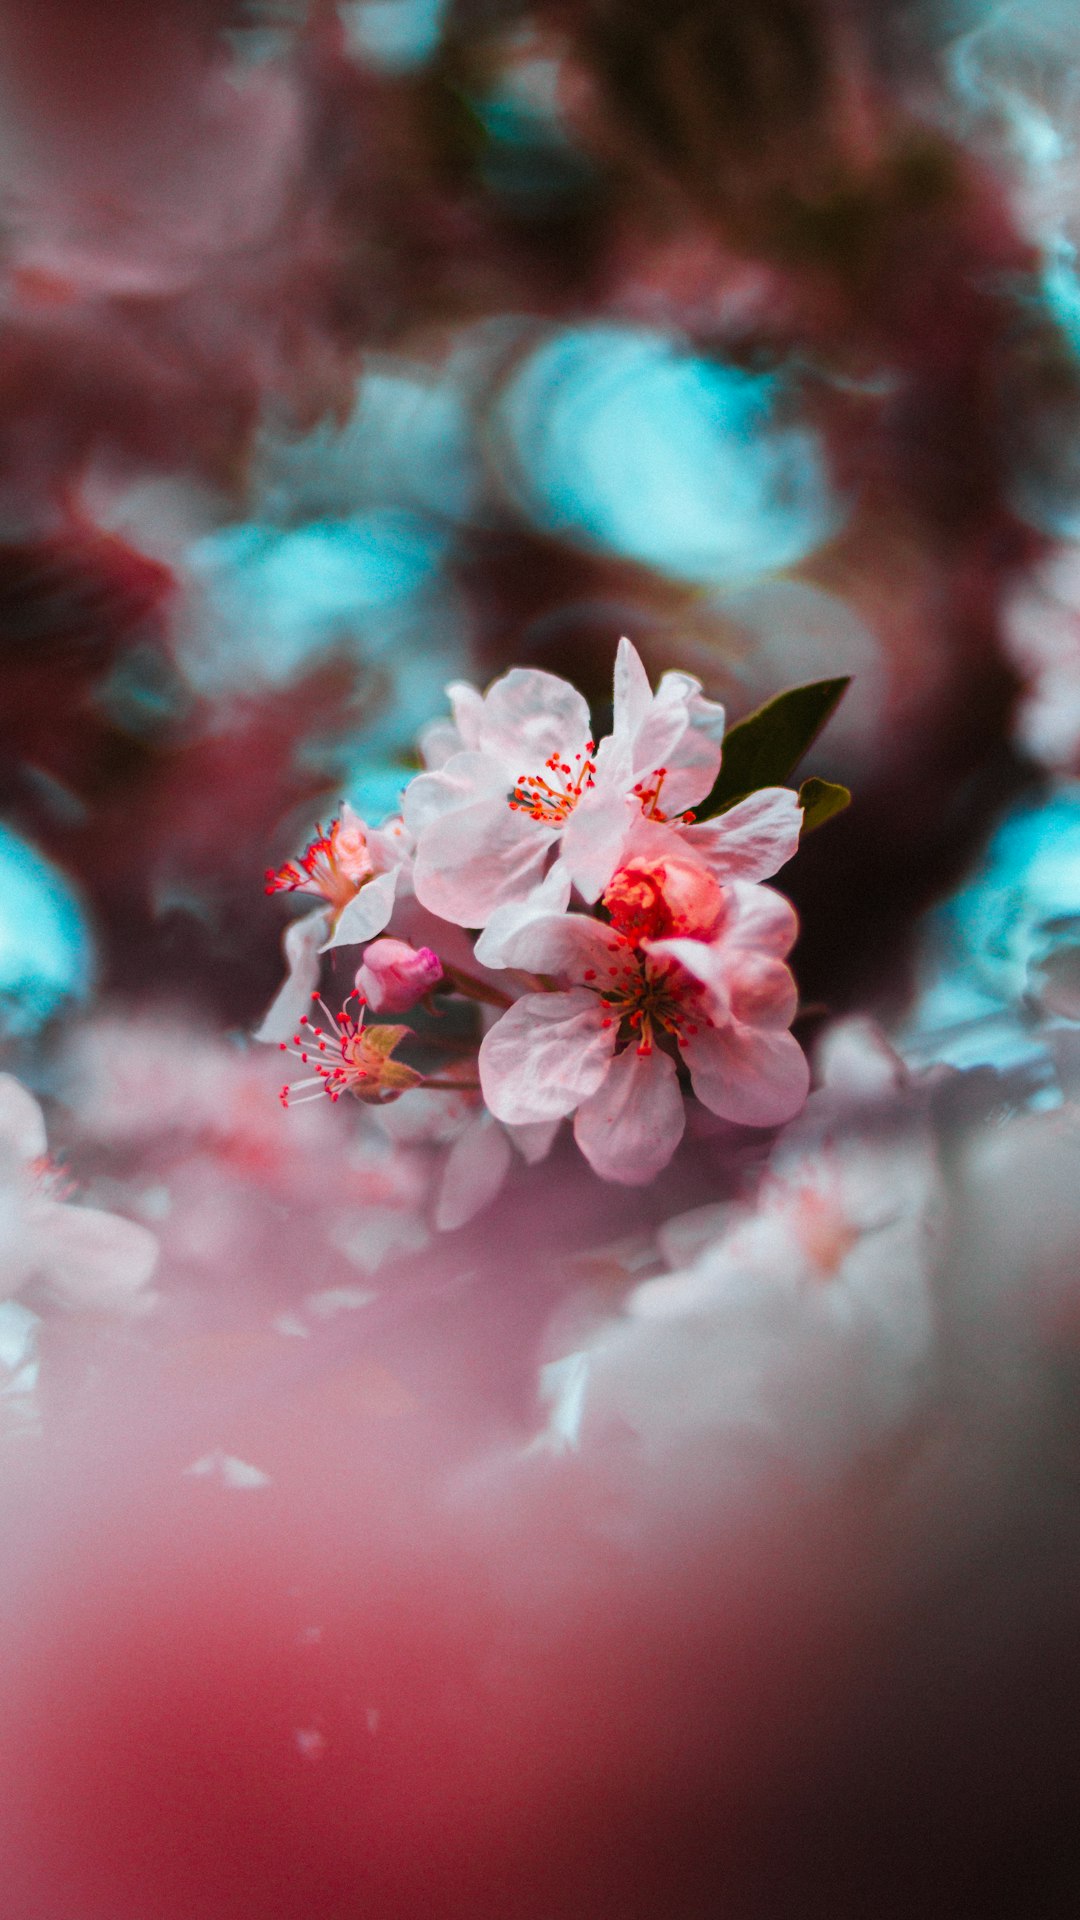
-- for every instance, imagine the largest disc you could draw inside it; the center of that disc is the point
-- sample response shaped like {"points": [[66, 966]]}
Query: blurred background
{"points": [[348, 347]]}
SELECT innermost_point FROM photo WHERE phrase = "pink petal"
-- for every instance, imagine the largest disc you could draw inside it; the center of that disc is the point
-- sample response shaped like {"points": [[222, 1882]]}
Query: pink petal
{"points": [[758, 1078], [753, 840], [93, 1259], [761, 991], [545, 1055], [631, 1126], [761, 918], [705, 960], [302, 941], [22, 1129], [529, 715], [474, 1170]]}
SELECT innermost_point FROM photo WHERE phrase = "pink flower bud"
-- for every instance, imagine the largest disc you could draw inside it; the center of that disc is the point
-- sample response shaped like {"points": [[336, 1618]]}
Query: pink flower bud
{"points": [[659, 899], [394, 976]]}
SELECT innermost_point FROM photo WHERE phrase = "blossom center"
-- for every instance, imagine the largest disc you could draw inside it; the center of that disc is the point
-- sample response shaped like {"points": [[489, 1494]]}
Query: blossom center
{"points": [[351, 1058], [335, 865], [551, 796], [647, 793], [642, 998]]}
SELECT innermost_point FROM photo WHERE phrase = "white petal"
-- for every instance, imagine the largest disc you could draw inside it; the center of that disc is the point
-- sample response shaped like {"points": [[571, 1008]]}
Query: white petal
{"points": [[707, 717], [756, 1077], [753, 840], [544, 1055], [438, 742], [661, 731], [566, 945], [631, 1126], [22, 1129], [475, 1168], [595, 836], [366, 914], [551, 896], [467, 707], [93, 1259], [302, 942], [479, 858], [633, 694], [528, 716], [462, 780]]}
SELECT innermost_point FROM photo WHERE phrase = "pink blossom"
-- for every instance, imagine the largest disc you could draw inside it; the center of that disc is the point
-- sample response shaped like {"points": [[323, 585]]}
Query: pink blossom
{"points": [[360, 872], [348, 1056], [604, 1045], [394, 976], [79, 1255], [519, 794]]}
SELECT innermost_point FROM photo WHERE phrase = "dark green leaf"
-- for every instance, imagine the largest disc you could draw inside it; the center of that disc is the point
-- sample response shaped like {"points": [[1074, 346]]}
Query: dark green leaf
{"points": [[764, 749], [820, 800]]}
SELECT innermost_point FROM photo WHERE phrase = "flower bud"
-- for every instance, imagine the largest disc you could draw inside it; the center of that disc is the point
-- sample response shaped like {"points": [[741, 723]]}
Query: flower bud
{"points": [[665, 899], [394, 976]]}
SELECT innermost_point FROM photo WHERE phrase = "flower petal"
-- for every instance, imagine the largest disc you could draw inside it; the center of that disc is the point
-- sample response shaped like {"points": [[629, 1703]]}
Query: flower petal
{"points": [[759, 917], [756, 1077], [529, 715], [467, 707], [366, 914], [22, 1129], [753, 840], [551, 896], [633, 1123], [303, 943], [534, 1140], [633, 693], [459, 782], [761, 991], [93, 1259], [479, 858], [566, 945], [474, 1170], [545, 1055], [595, 836]]}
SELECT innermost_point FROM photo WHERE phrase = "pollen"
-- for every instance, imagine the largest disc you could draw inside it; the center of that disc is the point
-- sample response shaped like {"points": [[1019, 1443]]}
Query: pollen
{"points": [[335, 865], [550, 797], [358, 1060]]}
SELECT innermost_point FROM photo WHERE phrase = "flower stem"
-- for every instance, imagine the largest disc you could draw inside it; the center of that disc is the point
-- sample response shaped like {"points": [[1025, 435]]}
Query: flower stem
{"points": [[474, 989]]}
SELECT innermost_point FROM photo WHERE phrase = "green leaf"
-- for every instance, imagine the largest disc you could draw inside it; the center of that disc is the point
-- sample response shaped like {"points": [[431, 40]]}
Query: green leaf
{"points": [[764, 749], [820, 800]]}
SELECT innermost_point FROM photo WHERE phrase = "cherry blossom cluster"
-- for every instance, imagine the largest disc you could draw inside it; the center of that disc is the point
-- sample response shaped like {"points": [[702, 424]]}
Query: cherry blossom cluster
{"points": [[574, 927]]}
